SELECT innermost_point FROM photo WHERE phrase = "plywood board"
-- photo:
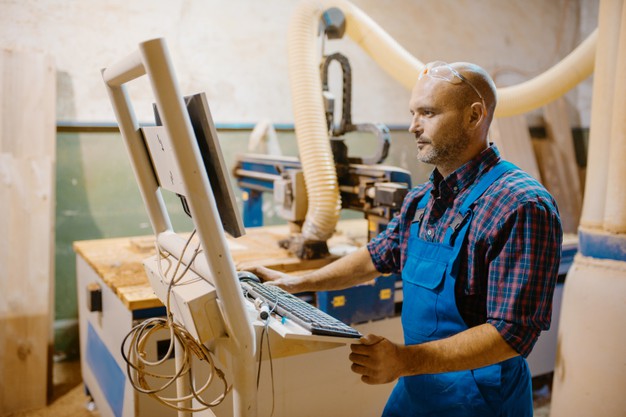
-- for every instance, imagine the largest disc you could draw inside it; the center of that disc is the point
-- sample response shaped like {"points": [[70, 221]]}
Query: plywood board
{"points": [[27, 168], [512, 137]]}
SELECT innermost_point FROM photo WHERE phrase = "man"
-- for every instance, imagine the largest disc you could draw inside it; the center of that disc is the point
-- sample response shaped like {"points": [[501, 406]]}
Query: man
{"points": [[478, 247]]}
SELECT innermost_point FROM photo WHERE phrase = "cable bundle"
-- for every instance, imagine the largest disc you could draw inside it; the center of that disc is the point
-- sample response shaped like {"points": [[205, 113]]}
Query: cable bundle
{"points": [[138, 364]]}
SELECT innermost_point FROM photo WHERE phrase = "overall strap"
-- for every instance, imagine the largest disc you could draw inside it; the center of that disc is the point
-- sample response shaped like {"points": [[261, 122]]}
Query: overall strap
{"points": [[485, 182], [464, 215], [421, 207]]}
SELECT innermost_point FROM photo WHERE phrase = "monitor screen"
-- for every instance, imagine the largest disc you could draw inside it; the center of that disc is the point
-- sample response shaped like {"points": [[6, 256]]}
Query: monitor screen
{"points": [[214, 165]]}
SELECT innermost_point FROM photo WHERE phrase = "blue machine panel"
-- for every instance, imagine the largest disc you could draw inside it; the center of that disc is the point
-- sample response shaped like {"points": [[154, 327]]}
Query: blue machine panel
{"points": [[361, 303]]}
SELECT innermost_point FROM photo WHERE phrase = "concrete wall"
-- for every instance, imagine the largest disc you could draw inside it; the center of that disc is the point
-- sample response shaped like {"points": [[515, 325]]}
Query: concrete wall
{"points": [[235, 50]]}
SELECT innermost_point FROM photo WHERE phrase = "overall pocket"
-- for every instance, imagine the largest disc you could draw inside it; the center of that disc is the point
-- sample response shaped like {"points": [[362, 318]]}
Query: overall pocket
{"points": [[422, 276], [452, 394], [488, 383]]}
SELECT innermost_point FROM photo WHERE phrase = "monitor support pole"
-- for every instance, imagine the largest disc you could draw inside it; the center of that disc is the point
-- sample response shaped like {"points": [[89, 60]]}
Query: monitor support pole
{"points": [[152, 59]]}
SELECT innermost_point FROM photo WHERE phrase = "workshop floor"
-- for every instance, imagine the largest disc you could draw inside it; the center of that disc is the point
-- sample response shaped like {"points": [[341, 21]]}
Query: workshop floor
{"points": [[68, 395], [69, 399]]}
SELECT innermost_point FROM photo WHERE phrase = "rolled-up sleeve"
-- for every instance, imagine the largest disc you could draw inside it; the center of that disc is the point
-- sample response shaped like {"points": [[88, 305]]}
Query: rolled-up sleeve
{"points": [[524, 254], [385, 248]]}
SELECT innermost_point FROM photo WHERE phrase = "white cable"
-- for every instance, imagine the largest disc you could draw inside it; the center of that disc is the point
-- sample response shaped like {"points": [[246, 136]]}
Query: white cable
{"points": [[269, 352], [137, 362]]}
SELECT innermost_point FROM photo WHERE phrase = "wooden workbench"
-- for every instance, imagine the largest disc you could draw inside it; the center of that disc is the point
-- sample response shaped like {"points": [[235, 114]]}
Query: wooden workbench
{"points": [[118, 261]]}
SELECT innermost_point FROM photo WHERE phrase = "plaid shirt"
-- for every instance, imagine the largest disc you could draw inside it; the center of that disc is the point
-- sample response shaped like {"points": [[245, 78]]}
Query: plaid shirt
{"points": [[509, 265]]}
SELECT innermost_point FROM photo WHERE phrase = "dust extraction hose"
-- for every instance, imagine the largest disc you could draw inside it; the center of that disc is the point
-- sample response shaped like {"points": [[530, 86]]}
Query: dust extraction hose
{"points": [[310, 122]]}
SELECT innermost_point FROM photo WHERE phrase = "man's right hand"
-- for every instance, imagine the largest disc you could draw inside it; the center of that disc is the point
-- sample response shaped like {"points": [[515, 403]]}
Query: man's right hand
{"points": [[347, 271], [289, 283]]}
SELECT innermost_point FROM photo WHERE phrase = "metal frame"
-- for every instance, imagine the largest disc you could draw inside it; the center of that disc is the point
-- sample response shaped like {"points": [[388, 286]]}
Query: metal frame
{"points": [[152, 59]]}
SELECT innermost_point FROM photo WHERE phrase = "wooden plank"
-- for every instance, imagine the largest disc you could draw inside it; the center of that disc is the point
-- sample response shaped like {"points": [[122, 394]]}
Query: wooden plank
{"points": [[28, 94], [554, 174], [512, 137], [137, 297], [27, 169], [559, 134]]}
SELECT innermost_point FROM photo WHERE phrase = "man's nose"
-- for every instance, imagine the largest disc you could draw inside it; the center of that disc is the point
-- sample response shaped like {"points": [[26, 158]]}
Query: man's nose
{"points": [[415, 127]]}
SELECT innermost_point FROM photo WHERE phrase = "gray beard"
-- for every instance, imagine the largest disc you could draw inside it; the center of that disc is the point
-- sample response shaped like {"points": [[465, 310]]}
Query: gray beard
{"points": [[446, 153]]}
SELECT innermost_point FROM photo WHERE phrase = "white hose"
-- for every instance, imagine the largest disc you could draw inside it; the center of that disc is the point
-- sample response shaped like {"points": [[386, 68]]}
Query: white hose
{"points": [[551, 84], [517, 99], [614, 210], [609, 21], [310, 122], [379, 45]]}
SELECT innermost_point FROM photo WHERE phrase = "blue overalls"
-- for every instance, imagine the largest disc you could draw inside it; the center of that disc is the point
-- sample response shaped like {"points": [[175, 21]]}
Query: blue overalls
{"points": [[429, 312]]}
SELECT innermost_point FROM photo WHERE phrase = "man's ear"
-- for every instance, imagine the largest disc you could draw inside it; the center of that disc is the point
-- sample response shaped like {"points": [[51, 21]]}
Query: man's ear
{"points": [[477, 115]]}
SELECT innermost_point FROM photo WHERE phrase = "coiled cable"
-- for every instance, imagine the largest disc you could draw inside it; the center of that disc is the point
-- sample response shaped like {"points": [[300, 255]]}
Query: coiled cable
{"points": [[139, 366]]}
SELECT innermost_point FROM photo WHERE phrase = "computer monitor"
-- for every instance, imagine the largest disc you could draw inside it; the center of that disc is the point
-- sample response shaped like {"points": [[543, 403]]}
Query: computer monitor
{"points": [[213, 160]]}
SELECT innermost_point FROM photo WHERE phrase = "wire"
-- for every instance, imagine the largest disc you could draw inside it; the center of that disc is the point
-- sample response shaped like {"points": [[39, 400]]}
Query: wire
{"points": [[265, 331], [137, 360]]}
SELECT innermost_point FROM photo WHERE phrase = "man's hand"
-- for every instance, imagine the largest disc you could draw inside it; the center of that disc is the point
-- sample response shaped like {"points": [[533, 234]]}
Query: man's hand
{"points": [[289, 283], [377, 360]]}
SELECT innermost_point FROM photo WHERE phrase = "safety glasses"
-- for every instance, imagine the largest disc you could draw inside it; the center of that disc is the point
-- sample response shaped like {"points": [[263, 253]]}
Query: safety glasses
{"points": [[443, 71]]}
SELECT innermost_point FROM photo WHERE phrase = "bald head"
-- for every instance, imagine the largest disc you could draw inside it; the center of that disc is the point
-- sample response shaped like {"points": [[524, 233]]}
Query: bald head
{"points": [[468, 85], [451, 107], [478, 78]]}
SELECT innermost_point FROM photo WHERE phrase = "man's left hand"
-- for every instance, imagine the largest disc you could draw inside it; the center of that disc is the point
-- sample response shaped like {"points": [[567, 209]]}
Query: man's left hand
{"points": [[376, 359]]}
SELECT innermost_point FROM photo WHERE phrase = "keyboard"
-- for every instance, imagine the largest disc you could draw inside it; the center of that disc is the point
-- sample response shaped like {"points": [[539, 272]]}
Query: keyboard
{"points": [[299, 311]]}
